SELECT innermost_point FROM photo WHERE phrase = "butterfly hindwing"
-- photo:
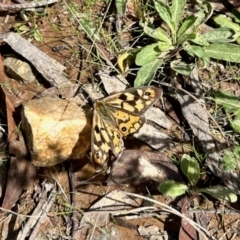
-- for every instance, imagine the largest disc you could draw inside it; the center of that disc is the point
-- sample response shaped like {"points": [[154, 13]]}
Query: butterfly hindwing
{"points": [[128, 123], [104, 139]]}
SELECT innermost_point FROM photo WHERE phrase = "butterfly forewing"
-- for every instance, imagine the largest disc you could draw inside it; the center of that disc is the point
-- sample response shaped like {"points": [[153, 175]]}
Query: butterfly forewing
{"points": [[134, 100]]}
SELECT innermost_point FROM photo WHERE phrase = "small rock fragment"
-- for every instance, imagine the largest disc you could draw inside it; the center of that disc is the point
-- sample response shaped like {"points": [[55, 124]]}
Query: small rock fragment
{"points": [[19, 70]]}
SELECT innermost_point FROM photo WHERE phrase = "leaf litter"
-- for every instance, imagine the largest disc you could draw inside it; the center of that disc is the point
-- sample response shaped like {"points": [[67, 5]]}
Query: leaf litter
{"points": [[70, 206]]}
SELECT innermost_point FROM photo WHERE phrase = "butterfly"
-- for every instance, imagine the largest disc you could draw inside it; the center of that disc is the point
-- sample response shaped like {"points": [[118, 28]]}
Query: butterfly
{"points": [[117, 116]]}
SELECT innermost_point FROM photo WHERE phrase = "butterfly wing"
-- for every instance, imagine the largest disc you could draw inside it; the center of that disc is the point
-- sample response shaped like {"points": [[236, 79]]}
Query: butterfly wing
{"points": [[116, 116], [127, 123], [128, 106], [134, 100], [105, 137]]}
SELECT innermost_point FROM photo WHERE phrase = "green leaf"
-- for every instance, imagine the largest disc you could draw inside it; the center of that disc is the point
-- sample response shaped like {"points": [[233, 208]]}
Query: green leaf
{"points": [[164, 12], [121, 6], [223, 51], [187, 26], [236, 15], [190, 169], [181, 67], [231, 105], [201, 16], [218, 35], [172, 188], [164, 46], [21, 27], [37, 35], [157, 33], [146, 72], [231, 159], [90, 29], [224, 21], [237, 113], [220, 192], [235, 124], [186, 37], [198, 51], [74, 9], [177, 11], [204, 14], [208, 9], [147, 54], [238, 40], [194, 50], [229, 101]]}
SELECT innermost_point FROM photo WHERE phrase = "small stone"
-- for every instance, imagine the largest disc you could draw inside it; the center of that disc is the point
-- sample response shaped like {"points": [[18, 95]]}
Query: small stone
{"points": [[19, 70]]}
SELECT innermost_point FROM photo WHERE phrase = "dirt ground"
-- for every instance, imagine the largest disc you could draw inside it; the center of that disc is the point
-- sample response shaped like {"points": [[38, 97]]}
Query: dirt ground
{"points": [[64, 195]]}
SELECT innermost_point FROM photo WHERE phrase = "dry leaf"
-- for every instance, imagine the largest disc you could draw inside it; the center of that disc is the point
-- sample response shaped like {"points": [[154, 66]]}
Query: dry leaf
{"points": [[187, 231], [21, 173]]}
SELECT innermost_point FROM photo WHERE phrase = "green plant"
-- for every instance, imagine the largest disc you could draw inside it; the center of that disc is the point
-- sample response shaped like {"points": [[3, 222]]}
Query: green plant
{"points": [[230, 103], [190, 168], [181, 32], [30, 27]]}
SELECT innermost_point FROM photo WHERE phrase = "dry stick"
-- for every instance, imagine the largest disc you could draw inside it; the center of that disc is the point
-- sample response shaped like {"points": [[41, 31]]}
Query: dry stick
{"points": [[40, 211], [46, 208], [199, 228], [156, 212], [72, 198], [17, 214], [197, 100], [25, 5]]}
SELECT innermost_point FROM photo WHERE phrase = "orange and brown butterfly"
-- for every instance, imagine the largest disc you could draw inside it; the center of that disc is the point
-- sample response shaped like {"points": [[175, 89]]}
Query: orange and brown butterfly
{"points": [[117, 116]]}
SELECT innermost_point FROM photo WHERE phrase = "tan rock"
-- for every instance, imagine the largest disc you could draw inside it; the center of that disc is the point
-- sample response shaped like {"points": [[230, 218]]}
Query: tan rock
{"points": [[19, 70], [55, 130]]}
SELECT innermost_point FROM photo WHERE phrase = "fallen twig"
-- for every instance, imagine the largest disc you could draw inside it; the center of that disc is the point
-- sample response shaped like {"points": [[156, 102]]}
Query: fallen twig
{"points": [[25, 5], [40, 211]]}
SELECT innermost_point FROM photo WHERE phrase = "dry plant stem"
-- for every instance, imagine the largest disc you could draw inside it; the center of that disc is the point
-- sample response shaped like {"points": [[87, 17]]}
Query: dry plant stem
{"points": [[137, 210], [199, 228], [125, 212], [156, 212], [72, 199], [95, 226], [25, 5], [19, 215], [40, 211], [197, 100]]}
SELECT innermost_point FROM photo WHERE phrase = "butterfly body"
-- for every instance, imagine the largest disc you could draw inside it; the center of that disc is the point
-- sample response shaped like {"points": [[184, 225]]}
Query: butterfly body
{"points": [[117, 116]]}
